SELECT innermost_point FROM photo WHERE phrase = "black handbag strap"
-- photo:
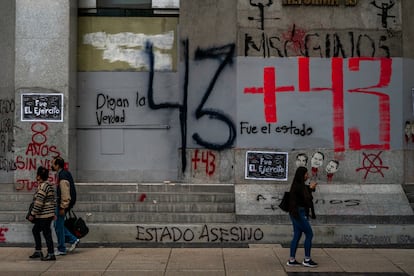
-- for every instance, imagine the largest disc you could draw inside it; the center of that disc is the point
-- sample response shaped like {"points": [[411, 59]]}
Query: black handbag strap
{"points": [[71, 214]]}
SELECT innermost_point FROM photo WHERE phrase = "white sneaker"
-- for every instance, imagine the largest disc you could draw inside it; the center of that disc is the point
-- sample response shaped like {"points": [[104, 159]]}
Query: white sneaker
{"points": [[73, 245], [59, 253]]}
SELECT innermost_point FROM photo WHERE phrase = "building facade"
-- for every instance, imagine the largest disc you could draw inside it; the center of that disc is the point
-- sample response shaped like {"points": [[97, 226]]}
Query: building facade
{"points": [[214, 90], [233, 91]]}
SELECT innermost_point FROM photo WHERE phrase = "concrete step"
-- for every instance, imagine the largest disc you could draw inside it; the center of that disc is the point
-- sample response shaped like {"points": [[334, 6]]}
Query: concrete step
{"points": [[150, 217], [134, 217], [180, 207], [159, 197], [15, 197], [136, 203], [133, 187], [130, 197], [154, 187]]}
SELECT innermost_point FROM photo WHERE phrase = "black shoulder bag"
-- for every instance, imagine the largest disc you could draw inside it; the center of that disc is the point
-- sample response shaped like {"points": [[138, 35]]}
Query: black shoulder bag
{"points": [[76, 225]]}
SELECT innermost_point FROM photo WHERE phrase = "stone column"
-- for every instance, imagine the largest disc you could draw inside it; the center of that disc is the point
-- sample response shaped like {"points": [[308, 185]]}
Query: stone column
{"points": [[45, 64], [7, 104]]}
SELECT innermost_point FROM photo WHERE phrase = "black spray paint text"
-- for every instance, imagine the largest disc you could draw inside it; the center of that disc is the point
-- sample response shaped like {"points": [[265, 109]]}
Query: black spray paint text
{"points": [[110, 110], [207, 234], [291, 129]]}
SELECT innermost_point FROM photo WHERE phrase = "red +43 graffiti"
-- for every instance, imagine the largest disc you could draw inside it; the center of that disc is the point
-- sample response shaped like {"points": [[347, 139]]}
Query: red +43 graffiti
{"points": [[270, 90], [207, 157]]}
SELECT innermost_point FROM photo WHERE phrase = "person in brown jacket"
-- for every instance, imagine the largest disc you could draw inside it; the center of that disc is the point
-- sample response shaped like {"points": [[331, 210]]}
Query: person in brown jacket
{"points": [[65, 200], [42, 215]]}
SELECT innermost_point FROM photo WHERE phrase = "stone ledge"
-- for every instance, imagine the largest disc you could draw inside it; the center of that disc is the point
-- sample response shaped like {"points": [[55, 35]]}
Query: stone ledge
{"points": [[329, 219]]}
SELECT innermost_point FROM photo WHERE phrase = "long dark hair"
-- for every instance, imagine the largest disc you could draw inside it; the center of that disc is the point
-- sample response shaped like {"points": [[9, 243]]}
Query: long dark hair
{"points": [[299, 192], [299, 179]]}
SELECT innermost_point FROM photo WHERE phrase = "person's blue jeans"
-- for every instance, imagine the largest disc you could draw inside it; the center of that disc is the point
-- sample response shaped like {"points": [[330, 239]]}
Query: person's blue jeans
{"points": [[300, 226], [62, 233]]}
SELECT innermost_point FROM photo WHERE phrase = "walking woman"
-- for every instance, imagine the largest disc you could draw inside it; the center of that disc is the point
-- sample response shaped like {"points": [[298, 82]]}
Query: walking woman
{"points": [[300, 208], [42, 215]]}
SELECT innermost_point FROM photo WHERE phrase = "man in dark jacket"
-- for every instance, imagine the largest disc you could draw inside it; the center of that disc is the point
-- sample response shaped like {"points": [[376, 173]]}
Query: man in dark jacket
{"points": [[65, 200]]}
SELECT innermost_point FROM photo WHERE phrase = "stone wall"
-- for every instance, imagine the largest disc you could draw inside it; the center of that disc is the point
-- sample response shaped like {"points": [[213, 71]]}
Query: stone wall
{"points": [[45, 65], [7, 102]]}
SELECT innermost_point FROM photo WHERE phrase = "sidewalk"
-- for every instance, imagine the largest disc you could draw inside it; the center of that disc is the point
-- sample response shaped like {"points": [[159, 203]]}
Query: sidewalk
{"points": [[256, 260]]}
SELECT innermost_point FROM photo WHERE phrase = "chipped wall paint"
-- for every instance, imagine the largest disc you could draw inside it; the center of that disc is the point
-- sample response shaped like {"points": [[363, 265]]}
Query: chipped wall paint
{"points": [[118, 44], [175, 4], [129, 47]]}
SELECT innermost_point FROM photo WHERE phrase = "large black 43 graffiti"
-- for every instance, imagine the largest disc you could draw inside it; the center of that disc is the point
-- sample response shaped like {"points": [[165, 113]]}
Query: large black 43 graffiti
{"points": [[224, 56]]}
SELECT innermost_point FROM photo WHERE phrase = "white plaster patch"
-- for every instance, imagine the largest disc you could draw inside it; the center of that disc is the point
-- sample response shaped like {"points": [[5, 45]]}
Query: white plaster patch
{"points": [[130, 47], [166, 4]]}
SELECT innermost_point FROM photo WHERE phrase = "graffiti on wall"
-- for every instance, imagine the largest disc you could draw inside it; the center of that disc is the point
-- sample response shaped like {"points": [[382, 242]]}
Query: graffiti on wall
{"points": [[38, 153], [370, 239], [301, 42], [372, 164], [206, 159], [272, 202], [207, 233], [224, 56], [113, 110], [347, 51], [270, 89], [7, 108], [384, 8], [290, 129]]}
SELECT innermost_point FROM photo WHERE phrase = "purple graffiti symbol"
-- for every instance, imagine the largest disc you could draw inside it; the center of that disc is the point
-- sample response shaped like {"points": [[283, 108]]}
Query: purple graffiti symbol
{"points": [[372, 163]]}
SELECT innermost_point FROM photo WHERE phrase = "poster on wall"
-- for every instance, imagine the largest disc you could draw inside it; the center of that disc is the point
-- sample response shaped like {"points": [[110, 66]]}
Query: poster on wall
{"points": [[42, 107], [263, 165]]}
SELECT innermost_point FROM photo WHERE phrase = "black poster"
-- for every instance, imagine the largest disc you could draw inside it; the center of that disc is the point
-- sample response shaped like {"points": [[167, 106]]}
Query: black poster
{"points": [[42, 107], [266, 165]]}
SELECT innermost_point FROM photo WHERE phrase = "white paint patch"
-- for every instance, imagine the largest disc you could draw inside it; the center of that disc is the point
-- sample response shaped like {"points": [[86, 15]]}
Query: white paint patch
{"points": [[130, 47], [175, 4]]}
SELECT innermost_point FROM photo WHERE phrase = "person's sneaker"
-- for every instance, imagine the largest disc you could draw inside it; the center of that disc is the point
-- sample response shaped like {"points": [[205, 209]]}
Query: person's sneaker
{"points": [[73, 245], [36, 254], [293, 263], [49, 257], [59, 253], [309, 263]]}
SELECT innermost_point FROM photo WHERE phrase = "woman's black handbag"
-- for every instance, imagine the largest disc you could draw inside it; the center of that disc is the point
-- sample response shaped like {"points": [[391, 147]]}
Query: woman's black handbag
{"points": [[76, 225], [29, 212], [284, 204]]}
